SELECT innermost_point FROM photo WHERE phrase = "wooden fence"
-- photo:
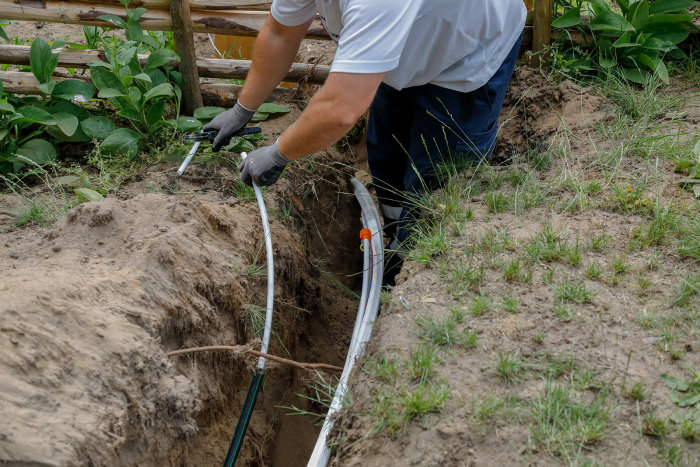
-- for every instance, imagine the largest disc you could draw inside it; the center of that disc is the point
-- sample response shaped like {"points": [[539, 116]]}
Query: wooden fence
{"points": [[185, 17]]}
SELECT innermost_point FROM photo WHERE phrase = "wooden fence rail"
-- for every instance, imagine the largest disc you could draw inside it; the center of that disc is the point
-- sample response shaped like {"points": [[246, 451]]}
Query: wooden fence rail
{"points": [[250, 5], [237, 23], [206, 67]]}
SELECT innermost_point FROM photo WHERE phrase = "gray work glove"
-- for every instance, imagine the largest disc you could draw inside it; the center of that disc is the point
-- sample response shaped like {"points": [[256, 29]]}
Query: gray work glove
{"points": [[228, 123], [263, 166]]}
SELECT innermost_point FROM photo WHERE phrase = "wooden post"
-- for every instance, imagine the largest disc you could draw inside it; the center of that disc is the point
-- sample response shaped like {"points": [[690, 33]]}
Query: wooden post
{"points": [[542, 29], [184, 39]]}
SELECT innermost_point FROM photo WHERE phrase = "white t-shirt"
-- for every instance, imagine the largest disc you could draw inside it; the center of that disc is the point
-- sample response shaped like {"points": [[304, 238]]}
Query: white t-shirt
{"points": [[456, 44]]}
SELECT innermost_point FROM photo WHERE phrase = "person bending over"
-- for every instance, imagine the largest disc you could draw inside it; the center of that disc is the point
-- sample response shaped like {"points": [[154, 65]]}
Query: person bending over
{"points": [[432, 72]]}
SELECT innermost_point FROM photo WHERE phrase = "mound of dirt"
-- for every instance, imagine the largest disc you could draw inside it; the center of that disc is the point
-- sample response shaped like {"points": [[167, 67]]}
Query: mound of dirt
{"points": [[91, 306], [535, 107]]}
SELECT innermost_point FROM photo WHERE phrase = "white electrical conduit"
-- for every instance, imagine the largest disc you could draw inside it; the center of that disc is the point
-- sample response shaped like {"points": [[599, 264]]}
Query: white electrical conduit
{"points": [[366, 314], [270, 271]]}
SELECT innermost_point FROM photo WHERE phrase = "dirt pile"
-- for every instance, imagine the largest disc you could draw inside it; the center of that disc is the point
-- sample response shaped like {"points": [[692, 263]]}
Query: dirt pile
{"points": [[90, 307], [535, 107]]}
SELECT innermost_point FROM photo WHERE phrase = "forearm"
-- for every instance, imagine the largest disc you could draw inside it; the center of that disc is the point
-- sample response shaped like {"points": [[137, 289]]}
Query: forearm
{"points": [[332, 112], [273, 55]]}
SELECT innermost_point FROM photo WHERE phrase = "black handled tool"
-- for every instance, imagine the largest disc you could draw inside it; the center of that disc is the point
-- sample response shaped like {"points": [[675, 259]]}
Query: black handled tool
{"points": [[209, 135]]}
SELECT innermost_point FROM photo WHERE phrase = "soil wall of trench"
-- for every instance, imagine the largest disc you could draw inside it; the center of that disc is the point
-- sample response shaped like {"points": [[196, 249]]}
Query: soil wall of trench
{"points": [[89, 307]]}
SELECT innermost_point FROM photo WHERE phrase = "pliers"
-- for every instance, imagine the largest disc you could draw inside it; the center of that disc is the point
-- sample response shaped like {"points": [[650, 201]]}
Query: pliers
{"points": [[209, 135]]}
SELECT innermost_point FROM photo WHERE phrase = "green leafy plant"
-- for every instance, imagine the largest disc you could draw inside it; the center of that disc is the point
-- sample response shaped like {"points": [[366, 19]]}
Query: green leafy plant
{"points": [[635, 38], [691, 166]]}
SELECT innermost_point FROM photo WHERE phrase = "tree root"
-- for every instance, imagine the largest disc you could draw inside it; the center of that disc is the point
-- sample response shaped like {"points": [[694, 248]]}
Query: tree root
{"points": [[244, 349]]}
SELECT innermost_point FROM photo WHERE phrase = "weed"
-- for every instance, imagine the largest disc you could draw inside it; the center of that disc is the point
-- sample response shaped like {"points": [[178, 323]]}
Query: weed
{"points": [[496, 201], [510, 366], [322, 393], [424, 399], [539, 337], [688, 288], [511, 269], [383, 368], [481, 304], [511, 305], [255, 318], [565, 312], [35, 213], [243, 192], [563, 423], [598, 242], [593, 271], [422, 362], [654, 426], [486, 409], [638, 392], [573, 292], [464, 276], [572, 253], [428, 244], [443, 332], [643, 281], [385, 297], [619, 266]]}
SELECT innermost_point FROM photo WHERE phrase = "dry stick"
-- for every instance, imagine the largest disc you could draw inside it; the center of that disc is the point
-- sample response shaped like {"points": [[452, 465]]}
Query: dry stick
{"points": [[244, 349]]}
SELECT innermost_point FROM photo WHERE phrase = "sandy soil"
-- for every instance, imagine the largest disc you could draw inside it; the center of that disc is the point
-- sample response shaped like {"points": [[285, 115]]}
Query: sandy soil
{"points": [[604, 337]]}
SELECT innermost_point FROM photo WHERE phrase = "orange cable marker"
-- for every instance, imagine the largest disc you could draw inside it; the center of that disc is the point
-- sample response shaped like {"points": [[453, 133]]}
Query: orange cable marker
{"points": [[365, 234]]}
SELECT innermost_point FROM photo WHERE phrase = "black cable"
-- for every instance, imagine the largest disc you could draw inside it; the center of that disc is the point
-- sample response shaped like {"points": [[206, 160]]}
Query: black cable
{"points": [[242, 425]]}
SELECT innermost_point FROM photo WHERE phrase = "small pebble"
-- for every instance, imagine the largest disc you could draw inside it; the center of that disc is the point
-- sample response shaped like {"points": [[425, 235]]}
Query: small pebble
{"points": [[14, 255], [56, 249]]}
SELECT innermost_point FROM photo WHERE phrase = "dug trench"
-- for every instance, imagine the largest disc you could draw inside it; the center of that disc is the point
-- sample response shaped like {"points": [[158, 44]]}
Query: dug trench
{"points": [[91, 306]]}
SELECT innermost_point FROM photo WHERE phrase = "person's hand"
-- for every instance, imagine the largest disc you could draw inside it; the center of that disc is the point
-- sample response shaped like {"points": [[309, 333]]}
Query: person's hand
{"points": [[228, 123], [263, 166]]}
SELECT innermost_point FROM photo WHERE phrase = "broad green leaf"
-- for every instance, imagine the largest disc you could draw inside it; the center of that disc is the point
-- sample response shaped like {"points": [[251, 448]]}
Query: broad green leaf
{"points": [[135, 95], [121, 141], [41, 60], [610, 21], [47, 88], [130, 114], [624, 6], [606, 62], [675, 383], [635, 75], [161, 57], [188, 124], [638, 14], [207, 113], [100, 63], [110, 92], [689, 399], [667, 6], [70, 108], [136, 13], [38, 150], [73, 90], [143, 77], [624, 41], [272, 109], [600, 6], [5, 107], [88, 194], [105, 79], [97, 127], [155, 114], [36, 115], [259, 116], [113, 19], [672, 32], [157, 76], [683, 165], [669, 18], [125, 54], [67, 123], [68, 180], [3, 133], [571, 18], [696, 150], [165, 89]]}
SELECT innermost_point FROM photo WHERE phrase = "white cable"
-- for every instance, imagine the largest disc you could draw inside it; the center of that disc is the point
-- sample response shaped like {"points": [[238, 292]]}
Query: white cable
{"points": [[368, 311], [214, 45], [189, 157], [270, 271]]}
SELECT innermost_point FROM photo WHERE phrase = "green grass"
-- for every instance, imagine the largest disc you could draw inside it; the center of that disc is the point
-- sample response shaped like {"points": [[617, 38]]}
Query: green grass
{"points": [[481, 304], [573, 292], [638, 392], [510, 367], [593, 271], [443, 331], [382, 367], [564, 311], [392, 409], [565, 423], [496, 201], [511, 305], [422, 362], [35, 213], [688, 288]]}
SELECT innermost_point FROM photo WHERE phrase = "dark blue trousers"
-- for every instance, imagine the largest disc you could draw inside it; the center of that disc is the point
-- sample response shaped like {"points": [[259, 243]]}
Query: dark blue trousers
{"points": [[411, 131]]}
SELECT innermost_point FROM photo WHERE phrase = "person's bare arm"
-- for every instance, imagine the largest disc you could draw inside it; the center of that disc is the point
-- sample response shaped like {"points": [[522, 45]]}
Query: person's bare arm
{"points": [[332, 112], [273, 55]]}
